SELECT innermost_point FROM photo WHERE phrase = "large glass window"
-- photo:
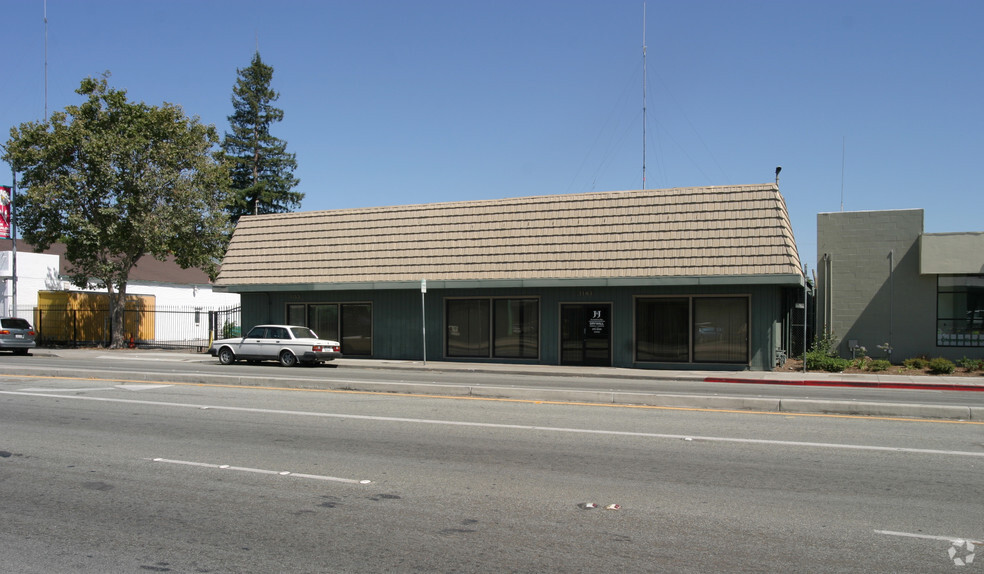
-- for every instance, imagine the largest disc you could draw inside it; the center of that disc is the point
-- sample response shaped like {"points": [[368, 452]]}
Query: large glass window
{"points": [[663, 329], [348, 323], [960, 311], [691, 329], [295, 314], [502, 328], [517, 328], [323, 319], [356, 328], [720, 330], [468, 327]]}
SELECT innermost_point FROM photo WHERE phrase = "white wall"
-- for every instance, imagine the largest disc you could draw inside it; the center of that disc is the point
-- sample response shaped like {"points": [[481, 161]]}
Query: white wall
{"points": [[40, 272], [35, 272]]}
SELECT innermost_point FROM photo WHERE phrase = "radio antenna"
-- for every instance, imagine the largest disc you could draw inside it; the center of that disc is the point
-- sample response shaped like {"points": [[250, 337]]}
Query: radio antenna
{"points": [[643, 95], [45, 60], [843, 156]]}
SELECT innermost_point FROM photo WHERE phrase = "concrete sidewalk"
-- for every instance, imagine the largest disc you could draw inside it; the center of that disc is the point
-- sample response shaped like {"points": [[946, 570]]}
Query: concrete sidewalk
{"points": [[605, 385]]}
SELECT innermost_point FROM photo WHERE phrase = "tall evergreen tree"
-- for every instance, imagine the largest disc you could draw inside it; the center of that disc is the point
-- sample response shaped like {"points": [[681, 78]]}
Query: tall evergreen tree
{"points": [[262, 170]]}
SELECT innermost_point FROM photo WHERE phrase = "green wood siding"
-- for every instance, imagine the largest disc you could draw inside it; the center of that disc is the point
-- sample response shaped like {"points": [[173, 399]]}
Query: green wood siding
{"points": [[397, 333]]}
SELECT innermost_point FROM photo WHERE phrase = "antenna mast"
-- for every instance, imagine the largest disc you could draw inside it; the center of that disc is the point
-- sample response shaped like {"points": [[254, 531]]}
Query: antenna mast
{"points": [[643, 95], [45, 60], [843, 156]]}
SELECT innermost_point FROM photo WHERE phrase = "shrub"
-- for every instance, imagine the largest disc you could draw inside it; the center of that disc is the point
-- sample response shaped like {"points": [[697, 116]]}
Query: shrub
{"points": [[941, 366], [879, 365], [829, 364], [823, 356], [971, 365], [230, 330], [917, 363]]}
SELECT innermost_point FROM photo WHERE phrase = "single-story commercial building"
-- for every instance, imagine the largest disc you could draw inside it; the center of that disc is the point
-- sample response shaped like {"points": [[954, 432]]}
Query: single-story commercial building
{"points": [[884, 284], [690, 278]]}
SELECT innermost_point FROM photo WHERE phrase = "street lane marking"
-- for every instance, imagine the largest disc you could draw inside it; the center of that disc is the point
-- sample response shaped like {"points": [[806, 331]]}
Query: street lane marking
{"points": [[260, 471], [125, 387], [928, 537], [689, 438]]}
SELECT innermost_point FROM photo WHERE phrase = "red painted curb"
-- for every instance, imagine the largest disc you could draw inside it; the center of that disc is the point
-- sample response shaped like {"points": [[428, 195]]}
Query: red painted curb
{"points": [[855, 384]]}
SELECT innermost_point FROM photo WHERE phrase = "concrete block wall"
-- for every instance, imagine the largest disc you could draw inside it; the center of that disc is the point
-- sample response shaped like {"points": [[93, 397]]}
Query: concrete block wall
{"points": [[869, 286]]}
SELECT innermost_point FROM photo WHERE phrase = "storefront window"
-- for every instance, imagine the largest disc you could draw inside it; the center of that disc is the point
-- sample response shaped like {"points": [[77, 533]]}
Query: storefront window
{"points": [[468, 327], [720, 330], [356, 328], [501, 328], [323, 320], [691, 329], [663, 329], [960, 311], [348, 323], [517, 328]]}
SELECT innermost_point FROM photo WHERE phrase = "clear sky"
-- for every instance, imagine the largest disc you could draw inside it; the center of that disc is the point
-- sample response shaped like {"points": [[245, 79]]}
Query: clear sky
{"points": [[866, 104]]}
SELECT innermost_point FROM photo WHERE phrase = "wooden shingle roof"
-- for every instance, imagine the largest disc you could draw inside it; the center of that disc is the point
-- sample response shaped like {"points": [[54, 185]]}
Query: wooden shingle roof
{"points": [[683, 232]]}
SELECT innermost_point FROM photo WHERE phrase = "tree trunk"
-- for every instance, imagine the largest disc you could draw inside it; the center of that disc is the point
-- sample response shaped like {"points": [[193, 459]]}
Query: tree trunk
{"points": [[117, 313]]}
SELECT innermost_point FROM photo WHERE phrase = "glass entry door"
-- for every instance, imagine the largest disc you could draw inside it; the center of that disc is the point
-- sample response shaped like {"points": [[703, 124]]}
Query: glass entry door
{"points": [[585, 334]]}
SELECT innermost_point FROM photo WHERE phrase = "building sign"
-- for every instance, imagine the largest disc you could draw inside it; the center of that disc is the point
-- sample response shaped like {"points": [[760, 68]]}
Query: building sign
{"points": [[597, 322], [4, 212]]}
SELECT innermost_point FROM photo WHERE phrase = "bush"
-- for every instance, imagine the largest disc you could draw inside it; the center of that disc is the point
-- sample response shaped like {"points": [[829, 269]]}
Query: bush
{"points": [[971, 365], [918, 363], [941, 366], [827, 363], [822, 355], [879, 365]]}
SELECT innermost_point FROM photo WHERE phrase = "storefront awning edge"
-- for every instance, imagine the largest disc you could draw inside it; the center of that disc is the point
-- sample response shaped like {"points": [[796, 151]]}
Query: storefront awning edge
{"points": [[786, 280]]}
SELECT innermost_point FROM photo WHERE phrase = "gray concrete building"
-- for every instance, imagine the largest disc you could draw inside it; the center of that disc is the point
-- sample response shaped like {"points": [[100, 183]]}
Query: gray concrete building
{"points": [[882, 283]]}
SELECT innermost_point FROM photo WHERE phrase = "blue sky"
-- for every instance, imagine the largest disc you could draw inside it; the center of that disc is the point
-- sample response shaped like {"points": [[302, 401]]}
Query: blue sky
{"points": [[869, 104]]}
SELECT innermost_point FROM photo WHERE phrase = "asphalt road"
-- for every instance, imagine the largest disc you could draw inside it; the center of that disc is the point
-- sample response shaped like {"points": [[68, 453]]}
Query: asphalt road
{"points": [[104, 475]]}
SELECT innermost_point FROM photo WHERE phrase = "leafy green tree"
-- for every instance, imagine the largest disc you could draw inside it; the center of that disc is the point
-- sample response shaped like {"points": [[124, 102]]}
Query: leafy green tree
{"points": [[262, 171], [115, 181]]}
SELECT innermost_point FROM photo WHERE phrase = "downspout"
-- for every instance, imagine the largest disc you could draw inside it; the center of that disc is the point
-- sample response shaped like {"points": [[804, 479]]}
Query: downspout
{"points": [[806, 312], [830, 296], [891, 298], [824, 321]]}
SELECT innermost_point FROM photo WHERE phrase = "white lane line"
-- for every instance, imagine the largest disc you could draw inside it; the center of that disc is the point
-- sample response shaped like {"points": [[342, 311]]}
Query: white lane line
{"points": [[52, 390], [124, 386], [928, 537], [689, 438], [260, 470]]}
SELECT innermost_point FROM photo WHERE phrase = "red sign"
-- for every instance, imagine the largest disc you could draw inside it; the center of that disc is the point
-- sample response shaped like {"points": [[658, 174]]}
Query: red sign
{"points": [[4, 212]]}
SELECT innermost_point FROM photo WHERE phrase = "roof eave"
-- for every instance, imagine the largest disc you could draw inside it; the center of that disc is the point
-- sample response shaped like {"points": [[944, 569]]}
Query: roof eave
{"points": [[788, 280]]}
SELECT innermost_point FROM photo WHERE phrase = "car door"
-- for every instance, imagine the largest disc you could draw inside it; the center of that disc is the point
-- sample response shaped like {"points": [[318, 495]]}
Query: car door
{"points": [[276, 338], [252, 344]]}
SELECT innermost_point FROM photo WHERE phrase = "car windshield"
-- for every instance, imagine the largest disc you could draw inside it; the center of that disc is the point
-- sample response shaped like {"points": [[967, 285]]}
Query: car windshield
{"points": [[15, 323], [303, 333]]}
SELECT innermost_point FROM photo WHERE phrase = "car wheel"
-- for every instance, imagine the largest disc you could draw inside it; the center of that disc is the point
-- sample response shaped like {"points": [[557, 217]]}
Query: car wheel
{"points": [[20, 351], [288, 359], [226, 356]]}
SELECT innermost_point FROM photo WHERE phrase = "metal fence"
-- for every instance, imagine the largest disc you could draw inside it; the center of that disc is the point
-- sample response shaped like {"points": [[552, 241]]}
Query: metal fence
{"points": [[158, 327]]}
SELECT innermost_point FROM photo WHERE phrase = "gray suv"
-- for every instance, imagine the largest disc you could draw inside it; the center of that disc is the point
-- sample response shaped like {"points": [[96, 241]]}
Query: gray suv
{"points": [[16, 335]]}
